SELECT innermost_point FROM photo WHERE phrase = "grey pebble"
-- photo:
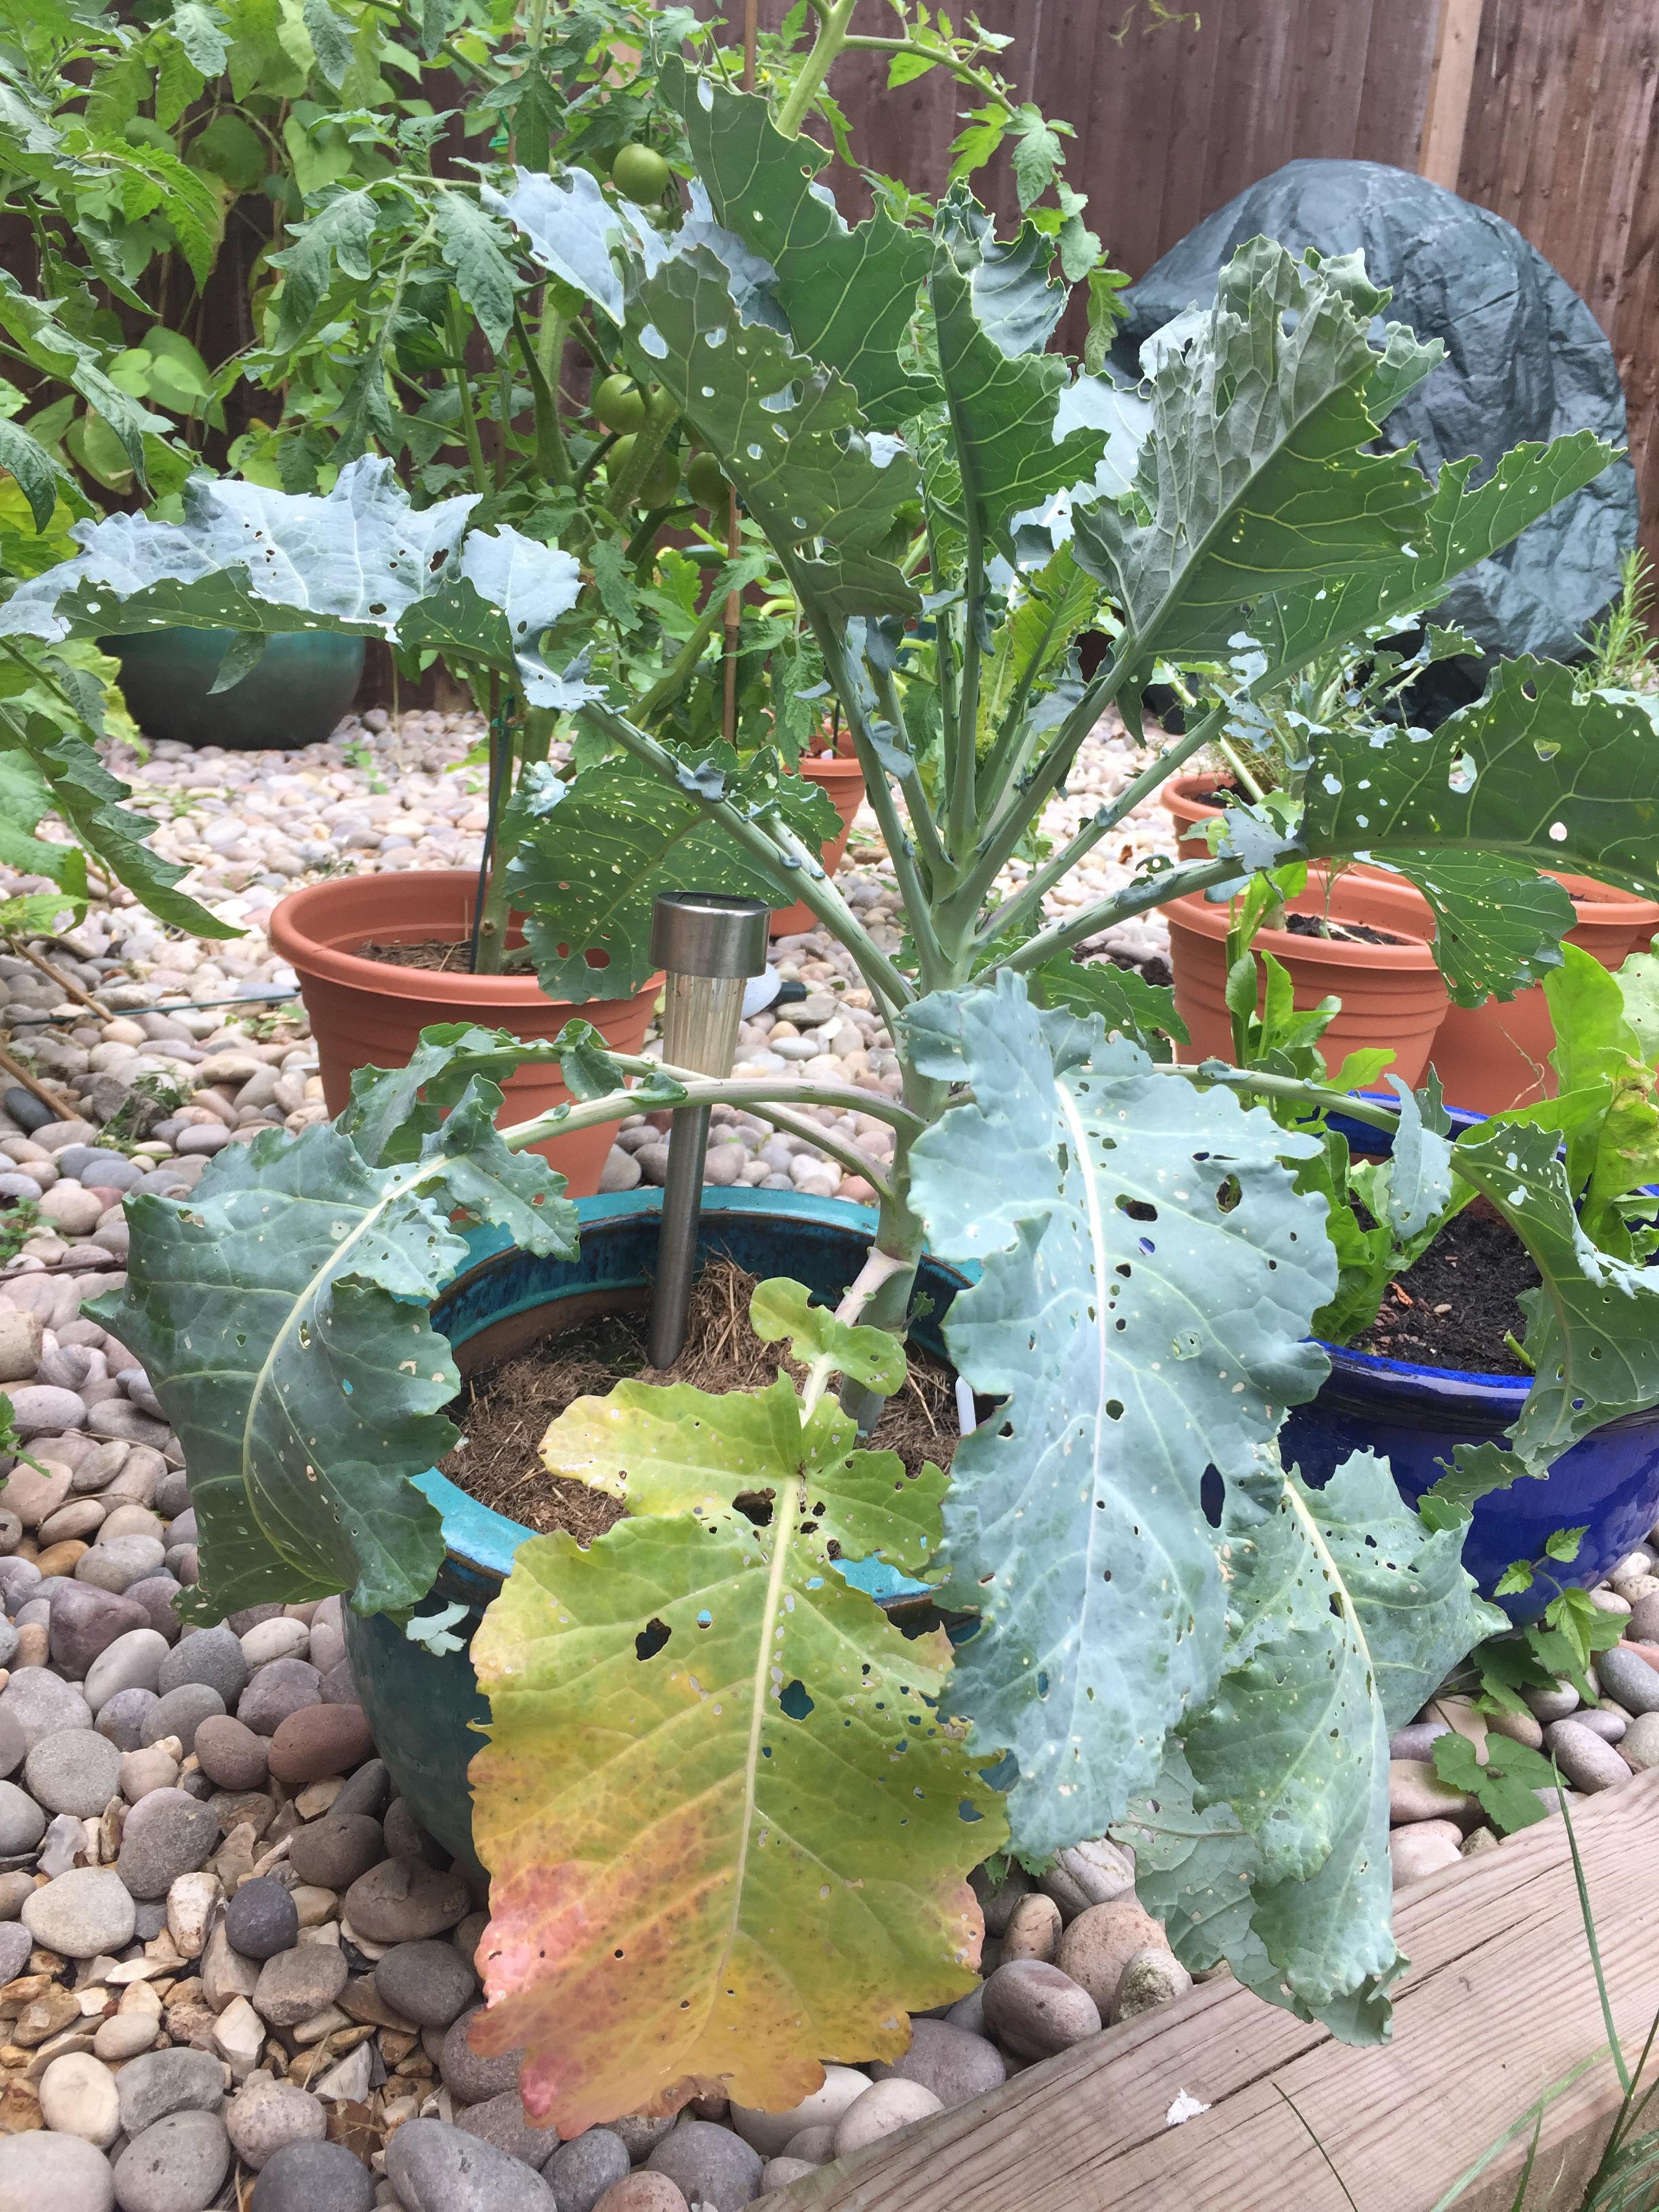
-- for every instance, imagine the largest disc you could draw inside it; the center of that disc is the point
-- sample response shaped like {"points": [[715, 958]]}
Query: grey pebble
{"points": [[41, 1703], [22, 1823], [1586, 1761], [181, 1712], [293, 1984], [77, 1770], [501, 2121], [45, 2173], [158, 2083], [213, 1656], [426, 1982], [1626, 1677], [155, 1594], [368, 1791], [262, 2117], [580, 2171], [112, 1564], [471, 2076], [175, 2166], [16, 1944], [82, 1912], [122, 1718], [711, 2164], [437, 2168], [14, 1744], [316, 2177], [168, 1833], [333, 1852], [262, 1919], [284, 1687], [947, 2059]]}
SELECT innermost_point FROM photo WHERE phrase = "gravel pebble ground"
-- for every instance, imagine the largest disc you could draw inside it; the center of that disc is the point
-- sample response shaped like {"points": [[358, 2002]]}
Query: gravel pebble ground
{"points": [[215, 1975]]}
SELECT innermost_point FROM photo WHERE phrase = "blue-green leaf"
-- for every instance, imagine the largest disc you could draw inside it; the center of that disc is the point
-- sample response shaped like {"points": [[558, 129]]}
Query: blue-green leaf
{"points": [[1149, 1277]]}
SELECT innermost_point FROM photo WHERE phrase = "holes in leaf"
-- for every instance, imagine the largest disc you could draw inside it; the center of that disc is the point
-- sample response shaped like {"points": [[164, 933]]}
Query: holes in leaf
{"points": [[794, 1700], [651, 1639], [1136, 1208], [755, 1505]]}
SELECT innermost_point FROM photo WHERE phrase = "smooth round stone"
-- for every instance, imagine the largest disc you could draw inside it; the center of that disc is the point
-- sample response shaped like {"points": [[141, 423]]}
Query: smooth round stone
{"points": [[262, 1919], [1100, 1942], [154, 1594], [1037, 2010], [332, 1852], [78, 2098], [279, 1637], [78, 1771], [770, 2132], [14, 1946], [1644, 1619], [1033, 1930], [213, 1656], [175, 2167], [429, 1983], [503, 2122], [230, 1753], [639, 2135], [293, 1984], [1425, 1847], [168, 1833], [1639, 1745], [1519, 1728], [368, 1791], [1153, 1978], [22, 1823], [580, 2171], [1096, 1873], [404, 1900], [40, 1409], [316, 2177], [812, 2146], [1587, 1762], [710, 2165], [779, 2173], [124, 2035], [1626, 1677], [1608, 1726], [319, 1741], [81, 1913], [131, 1662], [163, 2082], [643, 2192], [14, 1744], [181, 1712], [122, 1718], [883, 2109], [954, 2064], [43, 2172], [42, 1703], [285, 1686], [468, 2075], [122, 1560], [16, 1889], [264, 2117], [437, 2168], [1552, 1705], [1417, 1793]]}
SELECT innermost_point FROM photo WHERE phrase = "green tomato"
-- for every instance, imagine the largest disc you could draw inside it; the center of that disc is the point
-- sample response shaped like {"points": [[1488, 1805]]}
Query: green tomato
{"points": [[707, 480], [619, 404], [640, 174]]}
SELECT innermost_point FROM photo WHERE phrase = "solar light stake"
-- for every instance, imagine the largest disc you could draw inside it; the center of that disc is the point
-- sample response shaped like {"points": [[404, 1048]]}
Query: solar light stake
{"points": [[710, 946]]}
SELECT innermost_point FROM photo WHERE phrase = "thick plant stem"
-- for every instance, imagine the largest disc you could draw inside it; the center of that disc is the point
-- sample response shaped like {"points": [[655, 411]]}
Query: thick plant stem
{"points": [[831, 38], [489, 919], [1135, 898]]}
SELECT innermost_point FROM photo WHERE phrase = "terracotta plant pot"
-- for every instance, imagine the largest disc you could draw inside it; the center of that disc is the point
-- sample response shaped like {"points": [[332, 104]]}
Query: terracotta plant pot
{"points": [[1497, 1055], [1391, 995], [1191, 801], [367, 1013], [844, 781]]}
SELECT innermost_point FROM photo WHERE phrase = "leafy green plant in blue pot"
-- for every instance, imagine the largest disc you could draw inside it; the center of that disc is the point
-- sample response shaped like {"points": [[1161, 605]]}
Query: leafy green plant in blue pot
{"points": [[782, 1778]]}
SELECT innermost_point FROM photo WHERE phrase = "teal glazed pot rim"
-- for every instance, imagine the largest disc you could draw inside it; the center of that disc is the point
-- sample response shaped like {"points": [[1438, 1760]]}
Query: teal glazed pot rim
{"points": [[477, 1537]]}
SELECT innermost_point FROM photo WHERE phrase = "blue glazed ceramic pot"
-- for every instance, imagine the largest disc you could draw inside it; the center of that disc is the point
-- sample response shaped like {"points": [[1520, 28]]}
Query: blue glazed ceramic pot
{"points": [[424, 1709], [1607, 1483]]}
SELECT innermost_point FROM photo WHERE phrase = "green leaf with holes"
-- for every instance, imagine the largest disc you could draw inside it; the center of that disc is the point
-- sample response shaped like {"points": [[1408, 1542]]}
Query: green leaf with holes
{"points": [[1149, 1275], [589, 871], [1255, 476], [726, 1826], [1498, 926], [282, 1313], [849, 291], [1535, 771]]}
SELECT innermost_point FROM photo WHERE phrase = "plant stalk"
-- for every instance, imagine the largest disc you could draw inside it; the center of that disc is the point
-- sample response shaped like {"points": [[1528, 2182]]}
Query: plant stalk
{"points": [[829, 42]]}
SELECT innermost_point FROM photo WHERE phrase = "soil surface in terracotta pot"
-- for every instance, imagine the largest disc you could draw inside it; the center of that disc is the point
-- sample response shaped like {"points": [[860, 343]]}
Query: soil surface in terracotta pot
{"points": [[367, 1011], [1391, 991]]}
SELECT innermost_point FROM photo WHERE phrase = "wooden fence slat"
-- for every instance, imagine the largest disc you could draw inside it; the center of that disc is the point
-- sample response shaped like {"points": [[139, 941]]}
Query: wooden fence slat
{"points": [[1451, 79], [1499, 2004]]}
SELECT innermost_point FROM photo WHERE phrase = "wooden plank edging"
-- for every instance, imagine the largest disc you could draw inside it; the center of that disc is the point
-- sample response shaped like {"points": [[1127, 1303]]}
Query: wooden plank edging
{"points": [[1499, 2003]]}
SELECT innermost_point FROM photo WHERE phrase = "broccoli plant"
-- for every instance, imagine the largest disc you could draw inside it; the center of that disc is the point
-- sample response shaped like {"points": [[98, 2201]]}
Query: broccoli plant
{"points": [[715, 1896]]}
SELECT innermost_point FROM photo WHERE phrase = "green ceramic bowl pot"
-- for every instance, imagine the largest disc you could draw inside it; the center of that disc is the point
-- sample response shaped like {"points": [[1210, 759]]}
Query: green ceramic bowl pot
{"points": [[294, 696]]}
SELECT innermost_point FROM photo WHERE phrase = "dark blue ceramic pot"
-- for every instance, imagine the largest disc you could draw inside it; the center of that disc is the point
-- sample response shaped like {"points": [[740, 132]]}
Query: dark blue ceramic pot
{"points": [[1416, 1417], [425, 1709]]}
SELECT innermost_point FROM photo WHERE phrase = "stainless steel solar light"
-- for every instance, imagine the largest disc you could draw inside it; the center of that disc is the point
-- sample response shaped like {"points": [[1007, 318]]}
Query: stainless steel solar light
{"points": [[709, 946]]}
